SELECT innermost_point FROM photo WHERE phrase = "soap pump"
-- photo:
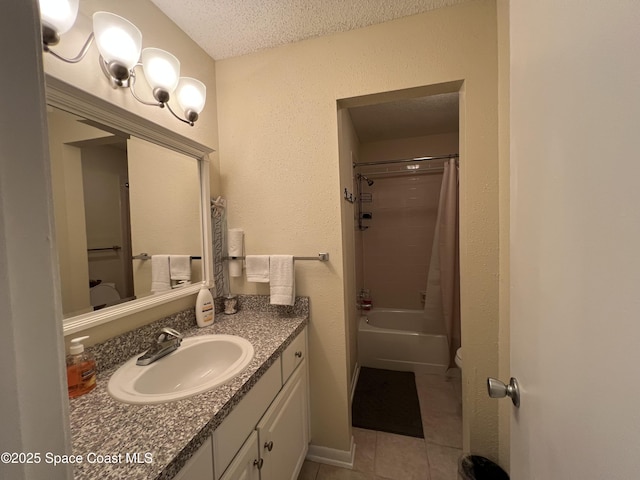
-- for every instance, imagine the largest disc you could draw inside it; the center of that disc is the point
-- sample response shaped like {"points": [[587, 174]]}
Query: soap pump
{"points": [[81, 369]]}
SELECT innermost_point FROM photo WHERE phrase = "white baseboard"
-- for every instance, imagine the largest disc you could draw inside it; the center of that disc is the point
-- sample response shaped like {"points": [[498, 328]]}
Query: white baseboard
{"points": [[354, 382], [331, 456]]}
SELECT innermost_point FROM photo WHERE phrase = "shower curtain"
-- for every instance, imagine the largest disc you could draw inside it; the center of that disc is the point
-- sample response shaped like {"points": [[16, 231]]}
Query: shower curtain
{"points": [[443, 280]]}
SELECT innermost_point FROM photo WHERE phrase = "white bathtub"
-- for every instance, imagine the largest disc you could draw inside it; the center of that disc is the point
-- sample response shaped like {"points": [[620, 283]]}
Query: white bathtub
{"points": [[404, 340]]}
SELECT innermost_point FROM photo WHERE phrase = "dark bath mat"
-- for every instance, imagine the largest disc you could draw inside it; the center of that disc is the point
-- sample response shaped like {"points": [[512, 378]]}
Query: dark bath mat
{"points": [[387, 401]]}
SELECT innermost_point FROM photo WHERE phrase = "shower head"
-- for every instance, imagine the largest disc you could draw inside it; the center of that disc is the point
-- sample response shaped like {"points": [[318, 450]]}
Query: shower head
{"points": [[369, 182]]}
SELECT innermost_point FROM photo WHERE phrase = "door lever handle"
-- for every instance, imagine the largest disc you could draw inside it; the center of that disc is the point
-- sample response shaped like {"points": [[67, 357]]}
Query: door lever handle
{"points": [[498, 389]]}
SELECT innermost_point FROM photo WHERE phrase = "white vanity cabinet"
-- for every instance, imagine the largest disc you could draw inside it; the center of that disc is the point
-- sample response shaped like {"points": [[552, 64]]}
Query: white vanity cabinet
{"points": [[245, 465], [266, 436], [200, 465], [283, 431]]}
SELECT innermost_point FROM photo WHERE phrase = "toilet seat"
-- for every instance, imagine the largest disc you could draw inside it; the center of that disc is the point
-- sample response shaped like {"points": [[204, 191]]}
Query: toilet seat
{"points": [[103, 294], [458, 359]]}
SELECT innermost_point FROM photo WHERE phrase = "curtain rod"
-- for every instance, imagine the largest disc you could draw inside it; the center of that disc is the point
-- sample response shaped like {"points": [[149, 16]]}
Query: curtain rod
{"points": [[406, 160], [395, 173]]}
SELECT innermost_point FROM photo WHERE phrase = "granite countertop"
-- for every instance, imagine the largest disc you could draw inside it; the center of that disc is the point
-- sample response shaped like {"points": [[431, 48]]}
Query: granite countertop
{"points": [[152, 442]]}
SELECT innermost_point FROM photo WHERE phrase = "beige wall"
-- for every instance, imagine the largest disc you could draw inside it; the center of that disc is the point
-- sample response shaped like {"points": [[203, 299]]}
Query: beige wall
{"points": [[504, 135], [157, 31], [349, 151], [395, 149], [280, 170]]}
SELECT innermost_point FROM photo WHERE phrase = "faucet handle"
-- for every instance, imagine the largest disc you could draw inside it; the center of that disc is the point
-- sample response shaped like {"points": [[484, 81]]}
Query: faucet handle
{"points": [[166, 333], [172, 332]]}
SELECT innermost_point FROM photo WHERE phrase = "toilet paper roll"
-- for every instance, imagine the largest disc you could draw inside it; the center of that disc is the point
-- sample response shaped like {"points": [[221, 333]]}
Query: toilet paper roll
{"points": [[235, 244], [235, 238], [235, 268]]}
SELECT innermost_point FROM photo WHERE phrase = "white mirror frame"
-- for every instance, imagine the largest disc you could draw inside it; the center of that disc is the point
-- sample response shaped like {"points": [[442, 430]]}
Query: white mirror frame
{"points": [[73, 100]]}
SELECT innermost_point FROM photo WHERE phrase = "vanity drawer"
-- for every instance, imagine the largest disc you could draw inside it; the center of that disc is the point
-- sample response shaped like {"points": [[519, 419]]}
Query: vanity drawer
{"points": [[293, 355], [234, 430]]}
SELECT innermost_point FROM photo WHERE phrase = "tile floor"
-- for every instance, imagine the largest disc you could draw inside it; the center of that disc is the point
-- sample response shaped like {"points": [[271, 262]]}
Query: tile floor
{"points": [[386, 456]]}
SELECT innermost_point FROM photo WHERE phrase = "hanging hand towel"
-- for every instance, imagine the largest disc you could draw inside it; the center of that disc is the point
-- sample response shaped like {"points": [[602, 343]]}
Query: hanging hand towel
{"points": [[160, 279], [235, 242], [257, 268], [282, 279], [180, 269]]}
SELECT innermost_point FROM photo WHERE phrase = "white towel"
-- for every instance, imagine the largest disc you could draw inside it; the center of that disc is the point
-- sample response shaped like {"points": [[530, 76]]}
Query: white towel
{"points": [[257, 268], [235, 247], [282, 279], [180, 269], [160, 279]]}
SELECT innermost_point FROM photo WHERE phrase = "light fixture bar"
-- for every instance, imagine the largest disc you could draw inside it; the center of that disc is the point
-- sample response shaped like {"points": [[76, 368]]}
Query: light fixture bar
{"points": [[77, 58], [179, 118], [133, 92]]}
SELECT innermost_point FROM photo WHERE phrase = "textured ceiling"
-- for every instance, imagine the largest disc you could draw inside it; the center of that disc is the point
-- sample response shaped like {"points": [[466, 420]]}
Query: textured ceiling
{"points": [[406, 118], [229, 28]]}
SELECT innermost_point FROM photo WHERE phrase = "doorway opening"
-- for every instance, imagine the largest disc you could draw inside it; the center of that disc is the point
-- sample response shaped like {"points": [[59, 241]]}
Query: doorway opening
{"points": [[395, 148]]}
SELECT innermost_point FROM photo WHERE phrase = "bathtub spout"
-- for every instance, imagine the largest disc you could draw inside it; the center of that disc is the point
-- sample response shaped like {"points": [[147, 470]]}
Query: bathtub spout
{"points": [[364, 305], [364, 300]]}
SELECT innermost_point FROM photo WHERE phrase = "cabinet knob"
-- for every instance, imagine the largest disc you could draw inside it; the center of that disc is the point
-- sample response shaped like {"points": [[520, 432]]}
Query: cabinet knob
{"points": [[268, 445], [298, 354], [258, 463]]}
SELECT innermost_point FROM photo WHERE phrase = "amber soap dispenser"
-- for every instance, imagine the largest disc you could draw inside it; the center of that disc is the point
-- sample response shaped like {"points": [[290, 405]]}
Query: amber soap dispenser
{"points": [[81, 369]]}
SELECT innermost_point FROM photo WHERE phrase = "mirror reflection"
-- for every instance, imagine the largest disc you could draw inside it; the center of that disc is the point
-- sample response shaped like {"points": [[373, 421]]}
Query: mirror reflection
{"points": [[127, 215]]}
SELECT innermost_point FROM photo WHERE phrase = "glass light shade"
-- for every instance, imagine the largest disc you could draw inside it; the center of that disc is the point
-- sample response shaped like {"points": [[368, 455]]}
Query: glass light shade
{"points": [[117, 38], [60, 15], [161, 69], [192, 94]]}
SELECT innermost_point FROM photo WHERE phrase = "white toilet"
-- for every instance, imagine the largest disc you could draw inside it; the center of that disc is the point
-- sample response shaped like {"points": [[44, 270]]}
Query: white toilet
{"points": [[104, 294], [458, 359]]}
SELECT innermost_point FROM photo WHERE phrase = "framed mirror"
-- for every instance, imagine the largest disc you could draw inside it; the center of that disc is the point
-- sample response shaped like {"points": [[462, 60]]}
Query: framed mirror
{"points": [[131, 209]]}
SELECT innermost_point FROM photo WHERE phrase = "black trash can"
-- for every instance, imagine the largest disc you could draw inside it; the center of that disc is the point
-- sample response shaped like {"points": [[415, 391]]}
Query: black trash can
{"points": [[475, 467]]}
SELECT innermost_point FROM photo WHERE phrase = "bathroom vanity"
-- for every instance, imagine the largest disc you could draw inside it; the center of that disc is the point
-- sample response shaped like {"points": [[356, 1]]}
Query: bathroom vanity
{"points": [[254, 427]]}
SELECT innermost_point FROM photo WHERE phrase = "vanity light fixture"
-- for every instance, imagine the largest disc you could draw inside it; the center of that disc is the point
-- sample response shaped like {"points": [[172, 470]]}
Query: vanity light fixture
{"points": [[57, 17], [192, 94], [162, 72], [120, 45], [119, 42]]}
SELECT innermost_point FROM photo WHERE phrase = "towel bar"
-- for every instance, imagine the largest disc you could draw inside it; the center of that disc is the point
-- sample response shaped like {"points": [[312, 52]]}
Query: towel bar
{"points": [[323, 257], [146, 256]]}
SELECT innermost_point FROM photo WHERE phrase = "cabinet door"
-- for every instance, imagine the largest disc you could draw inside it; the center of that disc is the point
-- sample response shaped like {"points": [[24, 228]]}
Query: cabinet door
{"points": [[231, 434], [293, 355], [246, 464], [199, 466], [283, 431]]}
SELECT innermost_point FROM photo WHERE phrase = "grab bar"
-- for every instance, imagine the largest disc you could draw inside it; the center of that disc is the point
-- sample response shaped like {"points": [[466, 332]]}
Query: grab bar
{"points": [[114, 247]]}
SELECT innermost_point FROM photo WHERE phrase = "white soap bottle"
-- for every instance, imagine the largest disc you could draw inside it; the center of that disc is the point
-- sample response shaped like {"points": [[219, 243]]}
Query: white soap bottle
{"points": [[205, 310]]}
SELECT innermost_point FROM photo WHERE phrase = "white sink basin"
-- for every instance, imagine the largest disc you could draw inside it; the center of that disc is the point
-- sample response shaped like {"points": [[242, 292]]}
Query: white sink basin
{"points": [[199, 364]]}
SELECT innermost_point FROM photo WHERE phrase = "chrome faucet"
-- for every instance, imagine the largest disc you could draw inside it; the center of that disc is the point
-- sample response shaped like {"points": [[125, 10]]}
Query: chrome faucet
{"points": [[168, 340]]}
